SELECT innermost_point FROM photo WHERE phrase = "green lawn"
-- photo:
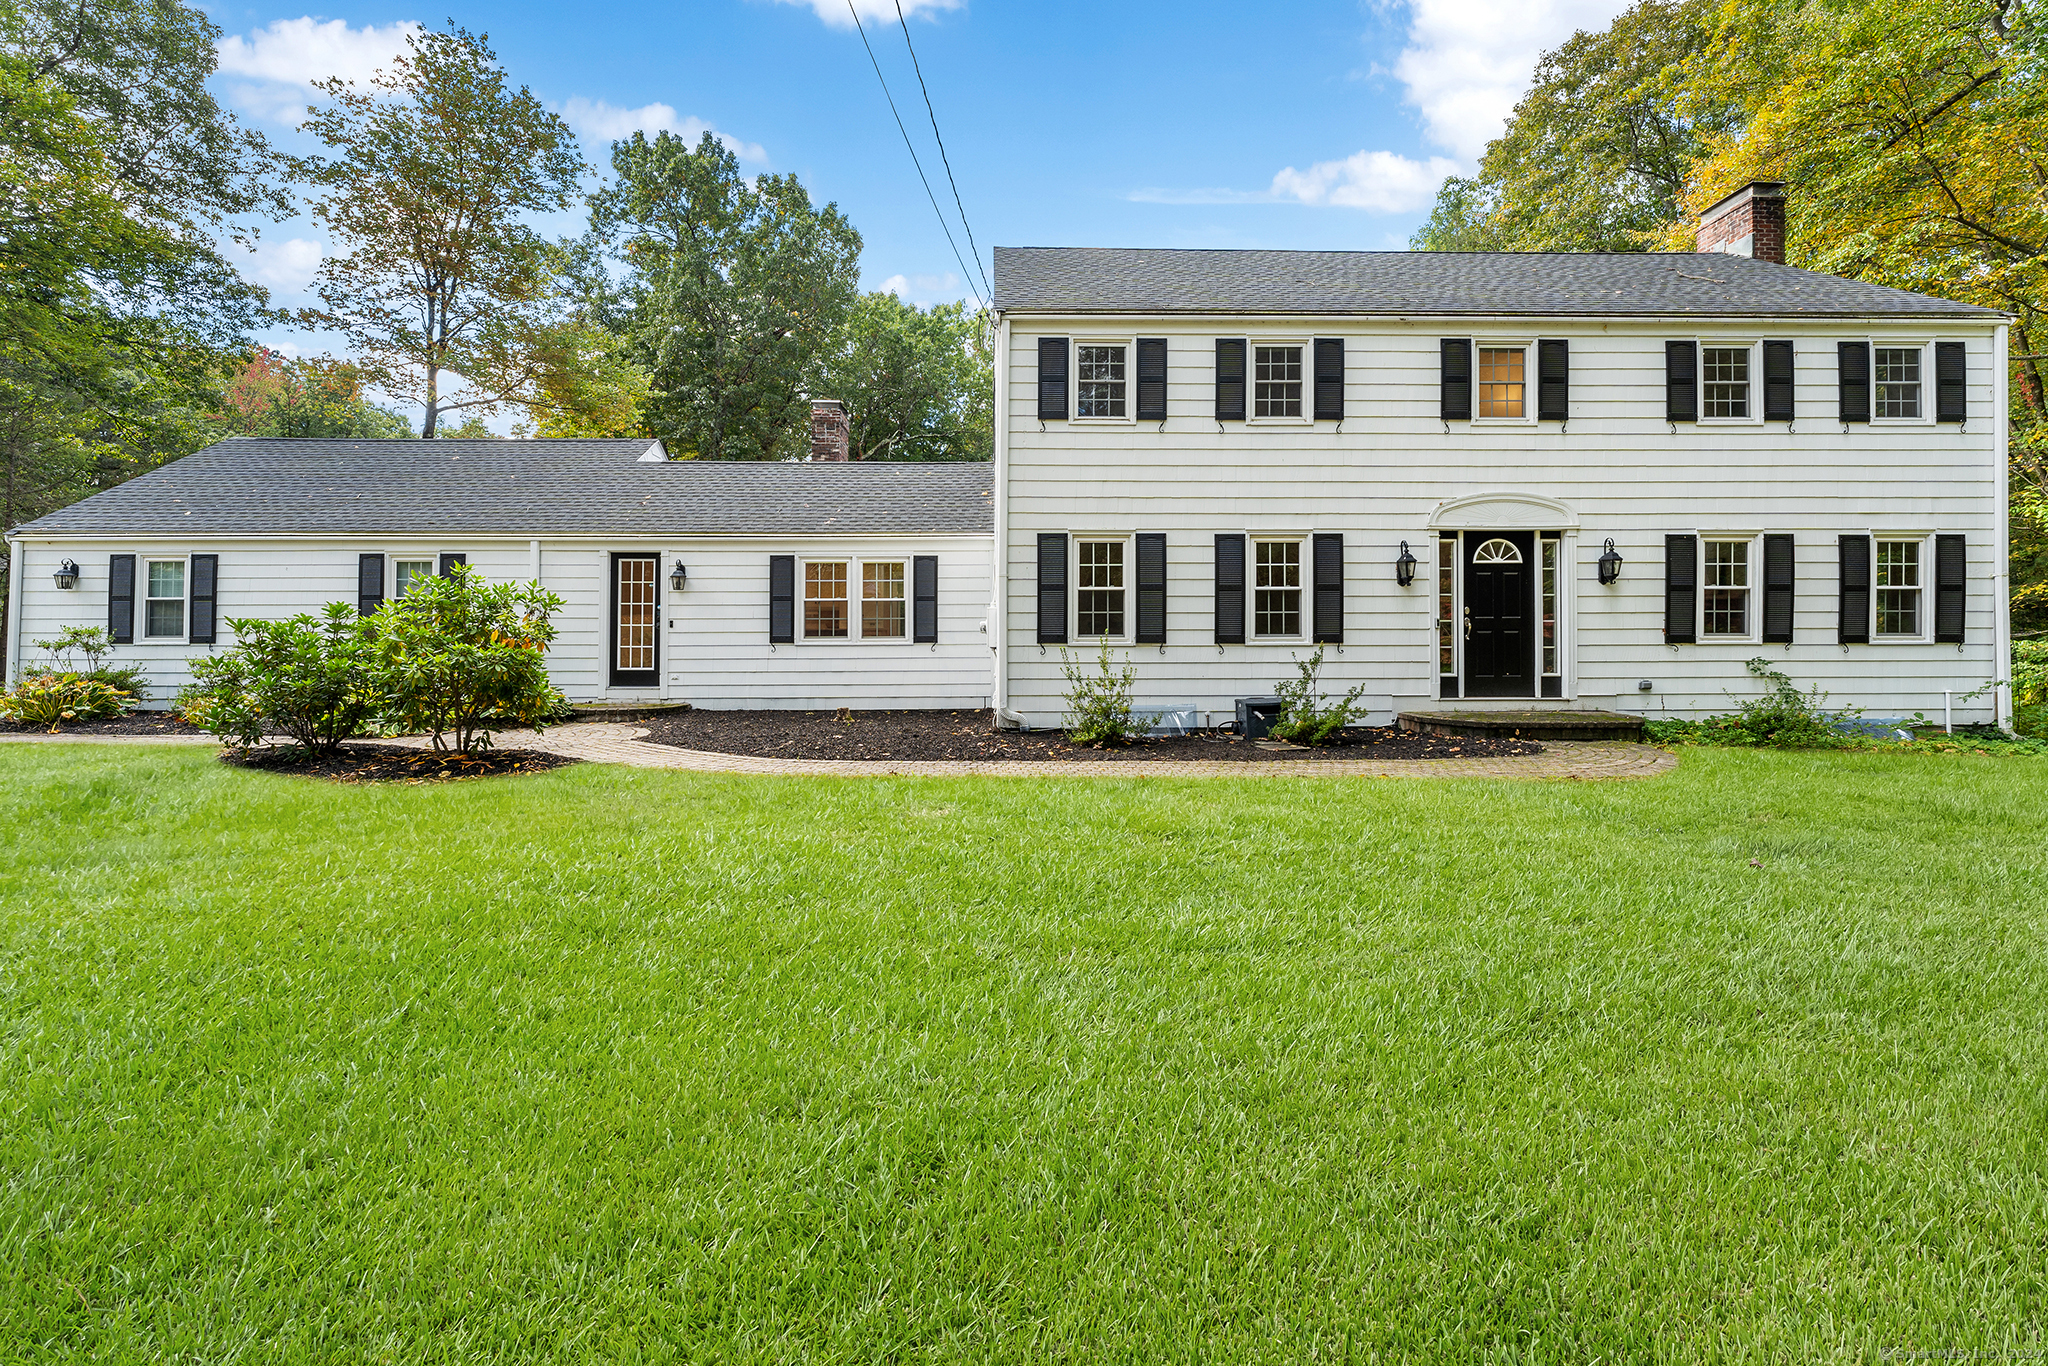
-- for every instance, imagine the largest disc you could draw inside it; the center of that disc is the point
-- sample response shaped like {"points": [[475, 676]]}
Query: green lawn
{"points": [[1746, 1062]]}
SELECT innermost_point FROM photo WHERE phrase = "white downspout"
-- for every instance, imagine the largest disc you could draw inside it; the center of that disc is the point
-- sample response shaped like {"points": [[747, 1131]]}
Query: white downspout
{"points": [[2001, 543], [998, 617]]}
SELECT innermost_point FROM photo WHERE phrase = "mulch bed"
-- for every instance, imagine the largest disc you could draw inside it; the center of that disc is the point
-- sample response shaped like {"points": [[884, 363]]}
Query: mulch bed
{"points": [[365, 763], [966, 735], [135, 723]]}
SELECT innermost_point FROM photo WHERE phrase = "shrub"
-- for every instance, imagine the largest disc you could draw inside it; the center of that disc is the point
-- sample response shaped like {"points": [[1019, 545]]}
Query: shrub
{"points": [[313, 680], [458, 657], [92, 644], [1099, 700], [1783, 718], [1306, 716], [51, 699]]}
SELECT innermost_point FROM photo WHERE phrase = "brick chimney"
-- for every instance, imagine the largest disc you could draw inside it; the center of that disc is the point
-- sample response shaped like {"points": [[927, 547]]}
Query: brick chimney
{"points": [[830, 435], [1750, 222]]}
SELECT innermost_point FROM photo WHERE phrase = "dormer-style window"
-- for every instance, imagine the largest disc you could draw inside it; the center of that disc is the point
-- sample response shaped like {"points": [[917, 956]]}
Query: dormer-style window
{"points": [[1276, 381], [1100, 378], [1724, 381], [1502, 381], [1898, 381]]}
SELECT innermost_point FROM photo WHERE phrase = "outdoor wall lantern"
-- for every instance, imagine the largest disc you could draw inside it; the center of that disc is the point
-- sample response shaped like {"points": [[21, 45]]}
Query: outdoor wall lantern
{"points": [[1404, 568], [1610, 563], [678, 576], [67, 574]]}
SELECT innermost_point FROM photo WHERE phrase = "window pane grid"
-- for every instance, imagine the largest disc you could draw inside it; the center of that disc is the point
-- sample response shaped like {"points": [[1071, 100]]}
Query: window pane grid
{"points": [[1446, 605], [825, 601], [1898, 381], [1550, 607], [1724, 598], [1500, 382], [1099, 589], [1724, 374], [881, 600], [1276, 584], [1276, 381], [1898, 588], [165, 612], [411, 571], [1100, 371], [636, 614]]}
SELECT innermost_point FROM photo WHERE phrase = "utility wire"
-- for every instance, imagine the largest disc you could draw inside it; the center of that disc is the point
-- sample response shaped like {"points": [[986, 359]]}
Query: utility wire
{"points": [[965, 274], [943, 158]]}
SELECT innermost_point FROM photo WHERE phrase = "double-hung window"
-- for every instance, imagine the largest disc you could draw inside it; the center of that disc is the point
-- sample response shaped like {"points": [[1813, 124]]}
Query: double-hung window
{"points": [[1724, 588], [1276, 589], [1276, 381], [1503, 382], [410, 572], [1725, 382], [1898, 588], [164, 612], [881, 600], [825, 614], [1100, 380], [833, 587], [1896, 382], [1099, 589]]}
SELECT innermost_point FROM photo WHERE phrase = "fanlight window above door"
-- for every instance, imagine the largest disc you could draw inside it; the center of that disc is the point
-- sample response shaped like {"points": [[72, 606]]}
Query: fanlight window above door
{"points": [[1497, 551]]}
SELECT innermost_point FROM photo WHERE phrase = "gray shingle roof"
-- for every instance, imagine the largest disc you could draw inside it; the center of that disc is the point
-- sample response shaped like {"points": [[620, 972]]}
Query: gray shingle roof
{"points": [[1521, 284], [257, 487]]}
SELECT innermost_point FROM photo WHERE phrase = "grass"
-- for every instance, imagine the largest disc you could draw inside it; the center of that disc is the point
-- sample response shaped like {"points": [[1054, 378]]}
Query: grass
{"points": [[1749, 1062]]}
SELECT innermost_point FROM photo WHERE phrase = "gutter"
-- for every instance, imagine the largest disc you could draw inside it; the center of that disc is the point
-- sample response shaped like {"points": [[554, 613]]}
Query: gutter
{"points": [[999, 550]]}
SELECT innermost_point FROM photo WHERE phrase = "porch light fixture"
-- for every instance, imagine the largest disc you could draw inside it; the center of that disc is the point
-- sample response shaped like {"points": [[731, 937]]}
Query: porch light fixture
{"points": [[1404, 568], [678, 576], [1610, 563], [67, 574]]}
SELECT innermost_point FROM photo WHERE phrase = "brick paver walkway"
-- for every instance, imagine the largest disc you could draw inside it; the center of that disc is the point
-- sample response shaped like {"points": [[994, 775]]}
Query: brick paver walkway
{"points": [[611, 742]]}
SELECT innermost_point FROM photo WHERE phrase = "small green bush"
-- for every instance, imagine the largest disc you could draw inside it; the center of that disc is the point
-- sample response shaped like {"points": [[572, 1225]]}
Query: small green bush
{"points": [[1783, 718], [1306, 716], [313, 680], [92, 644], [1099, 700], [52, 699], [458, 658]]}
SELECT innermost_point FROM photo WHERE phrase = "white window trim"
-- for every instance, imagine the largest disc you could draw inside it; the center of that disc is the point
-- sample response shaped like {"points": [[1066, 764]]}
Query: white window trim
{"points": [[1530, 403], [853, 565], [184, 636], [1129, 541], [432, 557], [1130, 417], [1925, 346], [1925, 540], [1753, 611], [1306, 605], [1308, 382], [1755, 347]]}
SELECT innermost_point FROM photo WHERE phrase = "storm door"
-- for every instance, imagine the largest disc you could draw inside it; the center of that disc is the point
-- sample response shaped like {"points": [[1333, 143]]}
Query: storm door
{"points": [[636, 611], [1500, 614]]}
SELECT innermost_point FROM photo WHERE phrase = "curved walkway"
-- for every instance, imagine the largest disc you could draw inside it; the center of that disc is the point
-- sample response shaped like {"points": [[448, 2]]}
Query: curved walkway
{"points": [[612, 742]]}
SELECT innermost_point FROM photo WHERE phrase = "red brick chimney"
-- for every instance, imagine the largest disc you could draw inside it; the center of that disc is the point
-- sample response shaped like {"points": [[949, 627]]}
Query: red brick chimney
{"points": [[1750, 222], [831, 438]]}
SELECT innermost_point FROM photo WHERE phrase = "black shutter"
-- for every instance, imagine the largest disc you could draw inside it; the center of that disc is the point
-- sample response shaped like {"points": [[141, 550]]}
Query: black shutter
{"points": [[1052, 588], [1853, 626], [1853, 362], [1681, 588], [1330, 378], [1951, 588], [924, 599], [1151, 589], [1230, 590], [1779, 566], [1455, 380], [1052, 377], [1553, 381], [1777, 381], [1681, 381], [205, 572], [1230, 379], [1328, 553], [369, 584], [1951, 383], [781, 599], [121, 598], [450, 560], [1151, 379]]}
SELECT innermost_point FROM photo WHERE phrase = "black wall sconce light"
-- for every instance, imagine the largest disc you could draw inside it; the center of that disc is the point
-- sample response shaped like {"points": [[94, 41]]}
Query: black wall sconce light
{"points": [[678, 576], [1610, 563], [1404, 568], [67, 574]]}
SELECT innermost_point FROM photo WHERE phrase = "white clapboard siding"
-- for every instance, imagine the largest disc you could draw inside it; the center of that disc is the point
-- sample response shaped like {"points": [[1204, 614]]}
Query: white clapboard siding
{"points": [[715, 651], [1379, 477]]}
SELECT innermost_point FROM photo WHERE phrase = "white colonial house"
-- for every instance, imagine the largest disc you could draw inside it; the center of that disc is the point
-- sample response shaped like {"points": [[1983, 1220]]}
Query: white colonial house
{"points": [[1526, 481]]}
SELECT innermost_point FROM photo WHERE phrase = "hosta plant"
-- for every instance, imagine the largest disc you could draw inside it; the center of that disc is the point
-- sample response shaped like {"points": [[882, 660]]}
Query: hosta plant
{"points": [[52, 699]]}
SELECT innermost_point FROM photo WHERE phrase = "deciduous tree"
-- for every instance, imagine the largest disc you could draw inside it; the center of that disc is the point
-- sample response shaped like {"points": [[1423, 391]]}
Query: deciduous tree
{"points": [[918, 384]]}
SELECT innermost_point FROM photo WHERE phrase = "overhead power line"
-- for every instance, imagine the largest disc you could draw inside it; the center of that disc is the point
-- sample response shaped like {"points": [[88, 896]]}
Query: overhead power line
{"points": [[944, 160], [967, 276]]}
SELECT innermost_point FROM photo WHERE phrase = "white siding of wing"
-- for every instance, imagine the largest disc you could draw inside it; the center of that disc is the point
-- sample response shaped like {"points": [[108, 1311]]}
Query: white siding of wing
{"points": [[715, 650], [1379, 478]]}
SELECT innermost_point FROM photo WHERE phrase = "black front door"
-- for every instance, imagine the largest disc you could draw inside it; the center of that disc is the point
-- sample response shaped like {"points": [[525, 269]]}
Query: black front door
{"points": [[1500, 614]]}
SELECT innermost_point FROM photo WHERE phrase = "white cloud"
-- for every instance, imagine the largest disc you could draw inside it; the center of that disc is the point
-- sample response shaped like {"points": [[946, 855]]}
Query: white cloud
{"points": [[602, 124], [279, 64], [924, 290], [286, 266], [1467, 62], [836, 13], [1378, 182]]}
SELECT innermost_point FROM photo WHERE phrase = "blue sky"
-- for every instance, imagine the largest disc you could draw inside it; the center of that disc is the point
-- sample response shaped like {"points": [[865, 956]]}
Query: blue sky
{"points": [[1324, 125]]}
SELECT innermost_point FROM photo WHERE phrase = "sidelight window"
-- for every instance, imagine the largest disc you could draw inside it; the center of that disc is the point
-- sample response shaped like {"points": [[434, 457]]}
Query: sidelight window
{"points": [[1446, 605]]}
